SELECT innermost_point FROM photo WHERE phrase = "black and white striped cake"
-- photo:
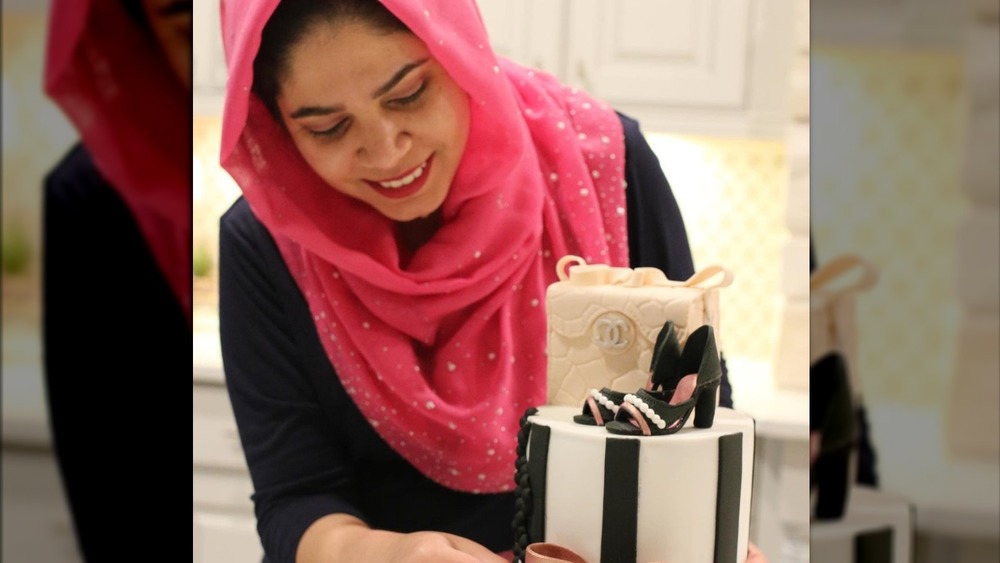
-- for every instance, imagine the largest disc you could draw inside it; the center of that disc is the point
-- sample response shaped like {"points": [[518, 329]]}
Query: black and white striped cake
{"points": [[610, 498]]}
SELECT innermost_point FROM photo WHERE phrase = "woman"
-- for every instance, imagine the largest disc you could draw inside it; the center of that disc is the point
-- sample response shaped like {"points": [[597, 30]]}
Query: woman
{"points": [[117, 242], [406, 197]]}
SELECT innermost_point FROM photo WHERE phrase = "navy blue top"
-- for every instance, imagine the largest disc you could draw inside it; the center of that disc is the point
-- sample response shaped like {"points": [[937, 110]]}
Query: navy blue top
{"points": [[309, 450], [116, 347]]}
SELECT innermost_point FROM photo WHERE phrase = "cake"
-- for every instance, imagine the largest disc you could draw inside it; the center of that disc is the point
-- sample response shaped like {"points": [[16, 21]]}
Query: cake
{"points": [[613, 498]]}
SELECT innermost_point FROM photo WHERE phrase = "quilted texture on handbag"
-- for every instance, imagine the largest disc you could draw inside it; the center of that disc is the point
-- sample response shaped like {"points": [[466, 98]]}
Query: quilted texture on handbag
{"points": [[603, 322]]}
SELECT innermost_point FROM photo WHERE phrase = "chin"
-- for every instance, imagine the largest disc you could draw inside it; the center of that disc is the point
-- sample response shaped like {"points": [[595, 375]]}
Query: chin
{"points": [[415, 212], [411, 216]]}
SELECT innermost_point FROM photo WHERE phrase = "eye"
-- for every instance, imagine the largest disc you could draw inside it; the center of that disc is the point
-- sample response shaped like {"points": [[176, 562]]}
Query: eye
{"points": [[411, 98], [334, 131]]}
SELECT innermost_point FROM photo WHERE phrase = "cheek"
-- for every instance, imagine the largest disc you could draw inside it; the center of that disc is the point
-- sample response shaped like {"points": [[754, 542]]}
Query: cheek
{"points": [[456, 125], [330, 165]]}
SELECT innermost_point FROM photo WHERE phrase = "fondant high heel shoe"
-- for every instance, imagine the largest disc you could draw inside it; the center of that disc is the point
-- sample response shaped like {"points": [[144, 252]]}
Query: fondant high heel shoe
{"points": [[601, 406], [661, 412], [663, 373], [833, 436]]}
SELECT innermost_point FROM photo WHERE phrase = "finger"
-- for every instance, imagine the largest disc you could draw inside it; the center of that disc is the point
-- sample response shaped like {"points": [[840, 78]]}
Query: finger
{"points": [[480, 553]]}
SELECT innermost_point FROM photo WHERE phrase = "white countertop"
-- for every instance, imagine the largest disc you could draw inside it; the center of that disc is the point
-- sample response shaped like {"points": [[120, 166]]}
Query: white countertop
{"points": [[781, 414]]}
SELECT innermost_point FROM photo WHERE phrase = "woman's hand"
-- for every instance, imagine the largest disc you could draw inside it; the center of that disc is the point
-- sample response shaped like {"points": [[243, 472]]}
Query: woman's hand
{"points": [[419, 547], [340, 537]]}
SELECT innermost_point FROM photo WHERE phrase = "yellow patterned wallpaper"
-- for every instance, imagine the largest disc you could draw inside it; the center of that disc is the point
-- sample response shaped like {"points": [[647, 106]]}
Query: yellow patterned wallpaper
{"points": [[732, 194], [885, 184]]}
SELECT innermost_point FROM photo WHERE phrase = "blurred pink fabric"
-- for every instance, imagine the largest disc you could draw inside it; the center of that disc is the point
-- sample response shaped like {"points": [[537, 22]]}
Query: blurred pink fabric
{"points": [[442, 356], [110, 78]]}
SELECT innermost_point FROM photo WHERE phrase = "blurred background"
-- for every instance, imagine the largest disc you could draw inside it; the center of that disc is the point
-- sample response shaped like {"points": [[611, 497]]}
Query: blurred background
{"points": [[905, 98], [36, 135]]}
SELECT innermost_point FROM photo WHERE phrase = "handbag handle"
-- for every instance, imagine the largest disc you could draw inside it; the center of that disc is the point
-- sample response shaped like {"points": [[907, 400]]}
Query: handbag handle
{"points": [[599, 274], [823, 277], [708, 273]]}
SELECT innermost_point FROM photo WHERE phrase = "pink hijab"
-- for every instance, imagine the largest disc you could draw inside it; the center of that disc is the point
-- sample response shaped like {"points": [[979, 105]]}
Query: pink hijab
{"points": [[444, 356], [110, 78]]}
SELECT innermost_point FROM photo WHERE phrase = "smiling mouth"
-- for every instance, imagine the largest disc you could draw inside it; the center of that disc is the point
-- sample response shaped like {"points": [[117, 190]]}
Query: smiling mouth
{"points": [[405, 180], [405, 185]]}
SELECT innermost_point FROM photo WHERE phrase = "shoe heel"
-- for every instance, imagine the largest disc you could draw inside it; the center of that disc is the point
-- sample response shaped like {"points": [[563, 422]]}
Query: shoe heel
{"points": [[830, 478], [704, 408]]}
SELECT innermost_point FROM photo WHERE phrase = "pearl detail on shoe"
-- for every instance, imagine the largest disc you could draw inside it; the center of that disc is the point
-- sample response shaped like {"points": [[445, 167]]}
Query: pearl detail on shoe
{"points": [[604, 401], [646, 410]]}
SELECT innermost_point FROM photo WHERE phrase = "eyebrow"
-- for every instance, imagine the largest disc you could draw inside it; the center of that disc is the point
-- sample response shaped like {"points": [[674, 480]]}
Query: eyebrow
{"points": [[312, 111]]}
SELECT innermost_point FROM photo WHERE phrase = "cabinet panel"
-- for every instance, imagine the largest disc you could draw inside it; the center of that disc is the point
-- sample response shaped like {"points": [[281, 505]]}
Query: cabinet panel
{"points": [[689, 53], [526, 31]]}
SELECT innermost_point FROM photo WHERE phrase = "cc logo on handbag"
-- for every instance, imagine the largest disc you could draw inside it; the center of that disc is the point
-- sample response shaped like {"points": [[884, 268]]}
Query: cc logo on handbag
{"points": [[613, 332]]}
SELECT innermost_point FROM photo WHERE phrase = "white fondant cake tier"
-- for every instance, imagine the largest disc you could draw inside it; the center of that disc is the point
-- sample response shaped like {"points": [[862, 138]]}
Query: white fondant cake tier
{"points": [[680, 497], [877, 528]]}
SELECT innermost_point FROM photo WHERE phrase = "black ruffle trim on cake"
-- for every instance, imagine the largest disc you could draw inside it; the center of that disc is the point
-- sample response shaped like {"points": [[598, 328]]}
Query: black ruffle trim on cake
{"points": [[522, 494]]}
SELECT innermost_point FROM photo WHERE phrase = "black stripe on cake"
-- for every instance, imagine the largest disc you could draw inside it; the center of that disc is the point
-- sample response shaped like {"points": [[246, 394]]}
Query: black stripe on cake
{"points": [[727, 500], [538, 461], [619, 525], [874, 546]]}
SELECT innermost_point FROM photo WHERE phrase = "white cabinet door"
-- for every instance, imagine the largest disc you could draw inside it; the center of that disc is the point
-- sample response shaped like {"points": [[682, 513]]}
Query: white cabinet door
{"points": [[690, 53], [527, 31], [704, 67]]}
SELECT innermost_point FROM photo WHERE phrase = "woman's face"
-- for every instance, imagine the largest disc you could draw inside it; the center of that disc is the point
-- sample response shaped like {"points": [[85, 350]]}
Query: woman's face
{"points": [[375, 116]]}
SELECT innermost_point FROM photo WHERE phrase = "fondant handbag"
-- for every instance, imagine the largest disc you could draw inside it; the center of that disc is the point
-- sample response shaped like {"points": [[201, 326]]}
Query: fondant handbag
{"points": [[603, 322], [832, 310]]}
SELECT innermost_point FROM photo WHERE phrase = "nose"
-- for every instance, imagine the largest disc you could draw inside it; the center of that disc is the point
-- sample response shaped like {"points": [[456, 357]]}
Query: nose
{"points": [[383, 143]]}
